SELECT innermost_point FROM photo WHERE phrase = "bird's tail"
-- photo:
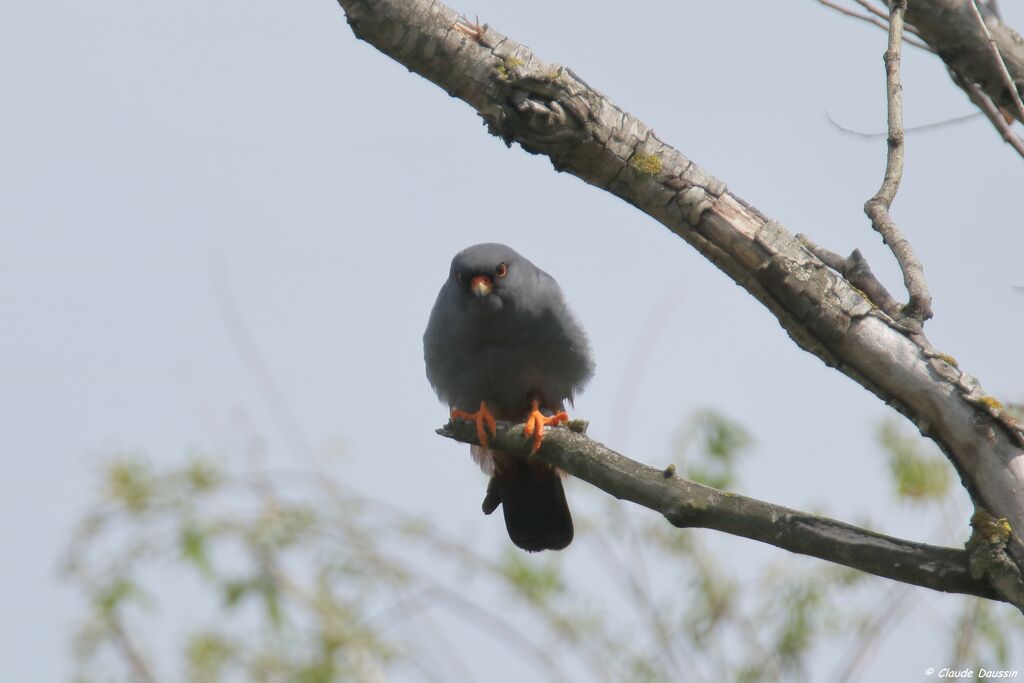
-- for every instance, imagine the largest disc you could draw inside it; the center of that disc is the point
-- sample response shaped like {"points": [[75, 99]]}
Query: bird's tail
{"points": [[531, 495]]}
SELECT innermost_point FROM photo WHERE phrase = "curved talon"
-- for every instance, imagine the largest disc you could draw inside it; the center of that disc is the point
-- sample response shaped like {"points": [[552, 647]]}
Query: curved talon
{"points": [[482, 418], [535, 424]]}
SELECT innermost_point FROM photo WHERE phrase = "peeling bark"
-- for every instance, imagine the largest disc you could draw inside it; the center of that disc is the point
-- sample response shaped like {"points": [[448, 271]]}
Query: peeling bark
{"points": [[549, 110]]}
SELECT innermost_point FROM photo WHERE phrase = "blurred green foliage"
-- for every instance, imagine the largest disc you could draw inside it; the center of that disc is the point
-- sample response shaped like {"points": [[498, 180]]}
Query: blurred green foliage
{"points": [[205, 574], [717, 443], [919, 473]]}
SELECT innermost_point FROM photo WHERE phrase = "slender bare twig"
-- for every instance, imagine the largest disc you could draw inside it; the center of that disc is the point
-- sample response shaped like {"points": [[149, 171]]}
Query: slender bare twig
{"points": [[913, 129], [966, 635], [992, 113], [856, 15], [131, 654], [249, 353], [623, 573], [1011, 87], [884, 16], [874, 10], [919, 307], [882, 23], [895, 605]]}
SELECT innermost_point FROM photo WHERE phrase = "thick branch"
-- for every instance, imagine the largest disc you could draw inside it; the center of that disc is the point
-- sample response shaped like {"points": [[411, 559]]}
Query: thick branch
{"points": [[549, 110], [951, 28], [1012, 90], [688, 504]]}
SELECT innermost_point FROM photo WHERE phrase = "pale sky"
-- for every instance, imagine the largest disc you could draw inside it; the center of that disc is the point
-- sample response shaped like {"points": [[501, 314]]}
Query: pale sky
{"points": [[147, 148]]}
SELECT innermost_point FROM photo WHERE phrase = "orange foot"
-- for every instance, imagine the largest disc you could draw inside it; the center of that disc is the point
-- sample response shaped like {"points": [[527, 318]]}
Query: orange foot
{"points": [[535, 424], [482, 418]]}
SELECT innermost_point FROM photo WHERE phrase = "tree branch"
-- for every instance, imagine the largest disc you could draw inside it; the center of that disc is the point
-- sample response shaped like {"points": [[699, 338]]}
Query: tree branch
{"points": [[919, 307], [881, 23], [1012, 91], [979, 59], [951, 28], [855, 268], [992, 113], [688, 504], [126, 647], [549, 110]]}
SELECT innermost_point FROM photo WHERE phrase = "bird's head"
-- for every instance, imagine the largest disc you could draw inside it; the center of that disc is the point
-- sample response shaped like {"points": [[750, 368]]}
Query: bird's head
{"points": [[489, 276]]}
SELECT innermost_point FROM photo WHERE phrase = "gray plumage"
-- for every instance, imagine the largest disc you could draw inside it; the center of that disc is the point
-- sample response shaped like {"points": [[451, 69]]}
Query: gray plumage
{"points": [[519, 339], [516, 343]]}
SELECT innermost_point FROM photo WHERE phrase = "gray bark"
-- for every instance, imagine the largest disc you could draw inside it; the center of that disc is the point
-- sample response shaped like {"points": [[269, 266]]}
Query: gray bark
{"points": [[951, 29]]}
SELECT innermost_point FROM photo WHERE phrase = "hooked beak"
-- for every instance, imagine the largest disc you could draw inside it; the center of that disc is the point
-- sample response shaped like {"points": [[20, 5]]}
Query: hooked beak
{"points": [[481, 285]]}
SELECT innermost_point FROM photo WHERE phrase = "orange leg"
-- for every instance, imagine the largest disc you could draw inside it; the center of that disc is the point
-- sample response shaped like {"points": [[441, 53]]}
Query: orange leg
{"points": [[482, 418], [536, 421]]}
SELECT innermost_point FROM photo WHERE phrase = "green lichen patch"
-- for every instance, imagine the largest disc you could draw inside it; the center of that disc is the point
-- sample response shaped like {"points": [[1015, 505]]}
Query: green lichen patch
{"points": [[986, 546], [948, 358], [991, 402], [507, 66], [648, 164], [994, 530]]}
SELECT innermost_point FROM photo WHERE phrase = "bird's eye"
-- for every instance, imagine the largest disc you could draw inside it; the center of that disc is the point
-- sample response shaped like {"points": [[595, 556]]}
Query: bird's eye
{"points": [[501, 270]]}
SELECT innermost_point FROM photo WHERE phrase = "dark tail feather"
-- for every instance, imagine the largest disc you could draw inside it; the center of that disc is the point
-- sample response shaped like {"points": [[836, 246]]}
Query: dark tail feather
{"points": [[536, 513]]}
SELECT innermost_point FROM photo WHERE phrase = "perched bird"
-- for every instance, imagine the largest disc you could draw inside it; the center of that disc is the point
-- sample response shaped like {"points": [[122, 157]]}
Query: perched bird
{"points": [[502, 343]]}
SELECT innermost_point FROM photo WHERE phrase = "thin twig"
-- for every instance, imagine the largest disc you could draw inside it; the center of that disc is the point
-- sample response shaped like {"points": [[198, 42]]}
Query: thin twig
{"points": [[884, 16], [892, 609], [882, 23], [628, 581], [249, 353], [879, 12], [914, 129], [874, 10], [856, 15], [991, 112], [919, 307], [124, 644], [1011, 87]]}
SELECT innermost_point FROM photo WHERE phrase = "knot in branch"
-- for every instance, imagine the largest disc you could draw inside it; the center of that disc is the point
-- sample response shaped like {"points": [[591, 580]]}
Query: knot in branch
{"points": [[541, 112]]}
